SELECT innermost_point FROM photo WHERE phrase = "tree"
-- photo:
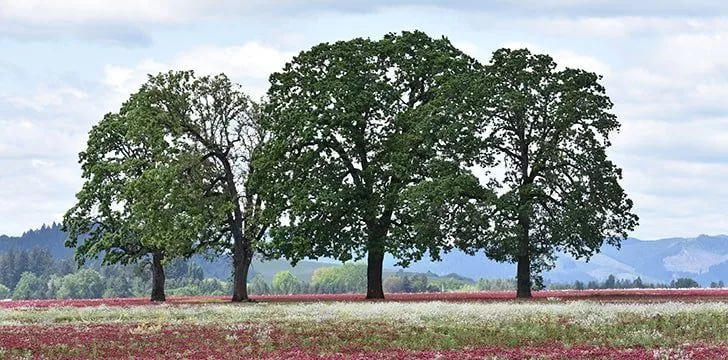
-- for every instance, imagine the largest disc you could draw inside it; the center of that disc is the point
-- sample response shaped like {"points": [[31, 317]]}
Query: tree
{"points": [[214, 121], [4, 292], [347, 278], [29, 287], [549, 129], [259, 286], [367, 156], [84, 284], [8, 269], [684, 283], [130, 167], [611, 282], [395, 284], [41, 261], [285, 283]]}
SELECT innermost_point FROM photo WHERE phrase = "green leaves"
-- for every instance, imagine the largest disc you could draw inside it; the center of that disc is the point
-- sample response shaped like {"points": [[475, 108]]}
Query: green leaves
{"points": [[367, 150], [550, 130], [163, 173]]}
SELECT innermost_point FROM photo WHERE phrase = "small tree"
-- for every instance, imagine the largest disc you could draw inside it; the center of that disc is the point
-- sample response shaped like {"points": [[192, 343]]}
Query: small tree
{"points": [[285, 283], [611, 282], [4, 292], [29, 287], [347, 278], [259, 286], [113, 215], [395, 284], [684, 283]]}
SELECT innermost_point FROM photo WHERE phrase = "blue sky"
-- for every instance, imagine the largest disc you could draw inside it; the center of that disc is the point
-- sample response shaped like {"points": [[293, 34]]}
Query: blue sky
{"points": [[665, 65]]}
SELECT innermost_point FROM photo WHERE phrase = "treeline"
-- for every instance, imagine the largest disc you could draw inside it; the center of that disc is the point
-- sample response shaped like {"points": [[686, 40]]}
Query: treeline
{"points": [[611, 282], [359, 149], [36, 274], [352, 278]]}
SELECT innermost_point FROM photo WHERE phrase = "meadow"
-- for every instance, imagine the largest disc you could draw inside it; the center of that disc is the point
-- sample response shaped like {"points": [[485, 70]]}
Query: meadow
{"points": [[636, 324]]}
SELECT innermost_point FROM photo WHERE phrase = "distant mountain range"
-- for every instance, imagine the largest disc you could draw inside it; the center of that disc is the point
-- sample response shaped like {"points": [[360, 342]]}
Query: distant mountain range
{"points": [[704, 258]]}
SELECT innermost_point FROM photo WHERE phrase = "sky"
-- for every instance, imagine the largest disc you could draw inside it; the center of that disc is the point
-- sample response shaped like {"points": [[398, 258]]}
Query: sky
{"points": [[65, 63]]}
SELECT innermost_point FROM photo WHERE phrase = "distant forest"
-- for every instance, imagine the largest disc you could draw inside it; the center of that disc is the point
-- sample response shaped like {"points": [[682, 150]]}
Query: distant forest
{"points": [[36, 265]]}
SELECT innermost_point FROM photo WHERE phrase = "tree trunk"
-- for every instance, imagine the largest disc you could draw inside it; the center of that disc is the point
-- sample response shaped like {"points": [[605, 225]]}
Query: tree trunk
{"points": [[242, 257], [157, 277], [375, 262], [524, 277]]}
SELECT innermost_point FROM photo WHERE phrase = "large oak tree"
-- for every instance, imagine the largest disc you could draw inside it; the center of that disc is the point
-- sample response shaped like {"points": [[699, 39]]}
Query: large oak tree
{"points": [[117, 214], [367, 156], [211, 118], [550, 130]]}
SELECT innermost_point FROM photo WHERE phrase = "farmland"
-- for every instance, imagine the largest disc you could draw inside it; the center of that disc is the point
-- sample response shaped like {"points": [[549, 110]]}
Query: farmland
{"points": [[639, 324]]}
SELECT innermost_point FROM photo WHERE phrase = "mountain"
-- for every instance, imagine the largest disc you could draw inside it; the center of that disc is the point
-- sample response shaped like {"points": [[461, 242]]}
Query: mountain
{"points": [[53, 238], [703, 258]]}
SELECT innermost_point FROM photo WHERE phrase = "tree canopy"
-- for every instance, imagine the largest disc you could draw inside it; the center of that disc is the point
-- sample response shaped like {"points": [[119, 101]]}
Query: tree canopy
{"points": [[366, 155], [213, 128], [549, 129]]}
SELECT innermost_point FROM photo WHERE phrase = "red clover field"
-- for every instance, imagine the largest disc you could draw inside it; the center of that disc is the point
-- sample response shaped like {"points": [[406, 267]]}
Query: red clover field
{"points": [[592, 324]]}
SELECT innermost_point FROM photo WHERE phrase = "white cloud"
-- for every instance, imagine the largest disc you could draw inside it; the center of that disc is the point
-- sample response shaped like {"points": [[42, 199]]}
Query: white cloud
{"points": [[564, 58], [250, 60], [249, 64]]}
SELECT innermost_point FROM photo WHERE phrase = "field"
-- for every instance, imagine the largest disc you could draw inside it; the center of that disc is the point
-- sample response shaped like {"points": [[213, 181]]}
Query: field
{"points": [[627, 324]]}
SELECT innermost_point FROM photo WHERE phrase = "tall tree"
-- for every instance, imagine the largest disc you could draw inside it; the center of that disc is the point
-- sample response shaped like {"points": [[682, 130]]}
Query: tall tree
{"points": [[212, 119], [549, 129], [130, 167], [366, 156]]}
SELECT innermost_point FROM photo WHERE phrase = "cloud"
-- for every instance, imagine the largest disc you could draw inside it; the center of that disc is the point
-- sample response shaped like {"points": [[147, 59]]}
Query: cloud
{"points": [[131, 23], [249, 64], [563, 57]]}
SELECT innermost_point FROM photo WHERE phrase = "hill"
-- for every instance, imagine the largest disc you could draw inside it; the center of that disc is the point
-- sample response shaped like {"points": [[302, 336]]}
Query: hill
{"points": [[703, 258]]}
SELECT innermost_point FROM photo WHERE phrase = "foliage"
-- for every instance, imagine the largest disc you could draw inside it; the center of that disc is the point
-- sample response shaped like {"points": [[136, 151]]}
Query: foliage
{"points": [[348, 278], [683, 283], [13, 263], [285, 282], [214, 127], [550, 130], [404, 283], [611, 282], [366, 154], [4, 292], [84, 284], [29, 287], [259, 286]]}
